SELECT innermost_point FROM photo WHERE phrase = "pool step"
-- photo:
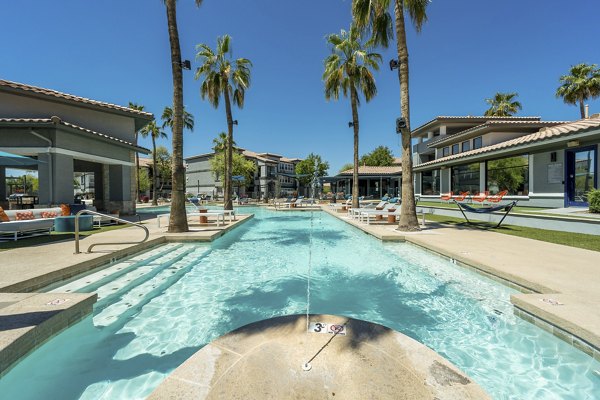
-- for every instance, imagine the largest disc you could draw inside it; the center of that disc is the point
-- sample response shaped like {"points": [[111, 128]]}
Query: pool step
{"points": [[140, 294], [92, 282]]}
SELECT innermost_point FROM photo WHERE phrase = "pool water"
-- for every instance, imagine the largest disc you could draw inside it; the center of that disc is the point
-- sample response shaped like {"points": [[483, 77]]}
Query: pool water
{"points": [[158, 308]]}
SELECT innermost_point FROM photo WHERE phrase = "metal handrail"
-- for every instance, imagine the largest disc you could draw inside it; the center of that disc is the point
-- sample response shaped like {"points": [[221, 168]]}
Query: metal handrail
{"points": [[89, 250]]}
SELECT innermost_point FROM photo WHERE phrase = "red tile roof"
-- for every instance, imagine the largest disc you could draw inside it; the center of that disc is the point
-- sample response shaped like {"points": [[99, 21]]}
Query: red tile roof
{"points": [[58, 121], [69, 97], [542, 135]]}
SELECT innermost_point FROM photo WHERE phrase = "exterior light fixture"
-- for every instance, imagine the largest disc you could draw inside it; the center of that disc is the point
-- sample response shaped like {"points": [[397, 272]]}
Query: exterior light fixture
{"points": [[350, 124], [394, 64], [234, 122], [400, 124]]}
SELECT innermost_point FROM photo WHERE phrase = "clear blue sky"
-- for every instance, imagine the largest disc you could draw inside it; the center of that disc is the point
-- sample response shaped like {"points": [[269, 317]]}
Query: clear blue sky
{"points": [[117, 51]]}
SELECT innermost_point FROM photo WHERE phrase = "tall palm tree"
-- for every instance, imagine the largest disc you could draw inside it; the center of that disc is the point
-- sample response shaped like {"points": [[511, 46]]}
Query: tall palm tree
{"points": [[222, 77], [155, 132], [220, 143], [178, 218], [167, 118], [581, 85], [135, 106], [348, 69], [503, 105], [373, 15]]}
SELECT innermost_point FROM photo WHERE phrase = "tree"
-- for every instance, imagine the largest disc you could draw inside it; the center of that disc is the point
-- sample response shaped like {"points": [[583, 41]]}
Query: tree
{"points": [[222, 77], [135, 106], [348, 69], [144, 180], [163, 165], [581, 85], [178, 218], [241, 166], [346, 167], [373, 16], [309, 167], [220, 143], [167, 118], [503, 105], [155, 132], [380, 157]]}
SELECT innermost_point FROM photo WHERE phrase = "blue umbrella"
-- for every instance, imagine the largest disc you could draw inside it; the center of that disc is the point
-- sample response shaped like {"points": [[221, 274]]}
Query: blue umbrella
{"points": [[15, 160]]}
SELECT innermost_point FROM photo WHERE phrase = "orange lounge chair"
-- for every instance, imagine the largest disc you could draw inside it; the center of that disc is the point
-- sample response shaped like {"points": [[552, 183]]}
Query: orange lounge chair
{"points": [[481, 196], [462, 196], [446, 196], [496, 198]]}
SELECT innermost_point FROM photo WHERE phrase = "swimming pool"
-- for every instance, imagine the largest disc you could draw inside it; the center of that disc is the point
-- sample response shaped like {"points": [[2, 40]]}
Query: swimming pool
{"points": [[164, 305]]}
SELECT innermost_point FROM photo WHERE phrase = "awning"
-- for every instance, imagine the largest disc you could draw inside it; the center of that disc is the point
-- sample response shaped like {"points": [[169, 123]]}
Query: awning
{"points": [[15, 160]]}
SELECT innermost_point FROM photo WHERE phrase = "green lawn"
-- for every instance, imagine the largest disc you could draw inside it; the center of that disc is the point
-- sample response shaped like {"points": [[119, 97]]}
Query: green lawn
{"points": [[581, 240], [53, 237]]}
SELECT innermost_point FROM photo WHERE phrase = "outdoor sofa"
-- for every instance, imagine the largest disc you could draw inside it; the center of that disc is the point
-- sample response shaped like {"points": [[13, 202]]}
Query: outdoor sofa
{"points": [[41, 223]]}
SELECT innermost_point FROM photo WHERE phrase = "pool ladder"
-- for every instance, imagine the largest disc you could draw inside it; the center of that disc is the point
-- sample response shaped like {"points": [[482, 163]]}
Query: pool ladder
{"points": [[89, 250]]}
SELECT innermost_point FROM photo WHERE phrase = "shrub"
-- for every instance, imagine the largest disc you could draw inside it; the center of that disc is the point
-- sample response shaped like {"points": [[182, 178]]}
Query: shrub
{"points": [[593, 197], [594, 200]]}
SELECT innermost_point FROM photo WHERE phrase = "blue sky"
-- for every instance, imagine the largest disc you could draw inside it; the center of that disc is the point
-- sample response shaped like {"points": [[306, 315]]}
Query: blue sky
{"points": [[117, 51]]}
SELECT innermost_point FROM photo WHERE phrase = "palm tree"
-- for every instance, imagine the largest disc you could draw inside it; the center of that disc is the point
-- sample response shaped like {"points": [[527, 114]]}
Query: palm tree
{"points": [[222, 77], [178, 218], [155, 132], [373, 15], [581, 85], [220, 143], [167, 117], [348, 69], [135, 106], [503, 105]]}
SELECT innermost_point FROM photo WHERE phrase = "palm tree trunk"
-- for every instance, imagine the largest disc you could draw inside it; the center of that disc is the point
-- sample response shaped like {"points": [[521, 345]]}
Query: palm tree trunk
{"points": [[154, 175], [408, 213], [228, 203], [137, 172], [354, 103], [178, 218], [582, 108]]}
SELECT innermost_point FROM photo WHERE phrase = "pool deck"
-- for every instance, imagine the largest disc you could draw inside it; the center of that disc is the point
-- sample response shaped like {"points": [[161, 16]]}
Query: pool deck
{"points": [[560, 284], [265, 360], [27, 321]]}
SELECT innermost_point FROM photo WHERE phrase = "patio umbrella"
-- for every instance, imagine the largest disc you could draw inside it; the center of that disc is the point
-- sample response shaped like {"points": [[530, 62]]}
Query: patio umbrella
{"points": [[15, 160]]}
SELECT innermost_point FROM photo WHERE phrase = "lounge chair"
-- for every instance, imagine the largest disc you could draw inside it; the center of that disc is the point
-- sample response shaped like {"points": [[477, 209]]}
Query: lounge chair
{"points": [[496, 198], [480, 197], [446, 196], [486, 210], [384, 213], [355, 213]]}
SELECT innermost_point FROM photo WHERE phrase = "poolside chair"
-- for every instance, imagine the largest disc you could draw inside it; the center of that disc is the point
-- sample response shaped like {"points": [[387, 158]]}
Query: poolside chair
{"points": [[355, 212], [462, 196], [507, 208], [496, 198], [286, 202], [383, 213], [446, 196], [480, 197]]}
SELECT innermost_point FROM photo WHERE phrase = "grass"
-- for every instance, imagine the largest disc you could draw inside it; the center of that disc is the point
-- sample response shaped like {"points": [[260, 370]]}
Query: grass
{"points": [[528, 210], [580, 240], [54, 237]]}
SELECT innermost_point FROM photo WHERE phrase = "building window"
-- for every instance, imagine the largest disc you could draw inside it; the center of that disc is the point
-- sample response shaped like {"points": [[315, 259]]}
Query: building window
{"points": [[510, 174], [477, 143], [466, 146], [446, 151], [465, 178], [430, 182], [455, 149]]}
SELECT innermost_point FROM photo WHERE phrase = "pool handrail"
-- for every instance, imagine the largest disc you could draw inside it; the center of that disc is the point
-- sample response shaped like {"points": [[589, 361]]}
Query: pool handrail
{"points": [[89, 250]]}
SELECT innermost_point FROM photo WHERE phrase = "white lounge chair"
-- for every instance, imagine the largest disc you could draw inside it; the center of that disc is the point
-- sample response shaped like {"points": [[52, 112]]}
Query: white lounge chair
{"points": [[355, 213], [384, 213]]}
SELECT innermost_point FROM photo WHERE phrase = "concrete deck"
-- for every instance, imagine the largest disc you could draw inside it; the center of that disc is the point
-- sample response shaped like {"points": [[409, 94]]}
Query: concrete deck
{"points": [[28, 319], [264, 361], [560, 282]]}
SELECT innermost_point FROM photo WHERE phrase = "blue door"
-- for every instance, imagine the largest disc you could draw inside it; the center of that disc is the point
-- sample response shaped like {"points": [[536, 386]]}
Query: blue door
{"points": [[581, 175]]}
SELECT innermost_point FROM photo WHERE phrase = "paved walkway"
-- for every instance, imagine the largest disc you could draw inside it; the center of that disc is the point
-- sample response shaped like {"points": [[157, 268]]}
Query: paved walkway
{"points": [[566, 279]]}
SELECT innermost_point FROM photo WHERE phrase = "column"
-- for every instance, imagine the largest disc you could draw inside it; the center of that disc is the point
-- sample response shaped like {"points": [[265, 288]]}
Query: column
{"points": [[2, 184], [60, 186]]}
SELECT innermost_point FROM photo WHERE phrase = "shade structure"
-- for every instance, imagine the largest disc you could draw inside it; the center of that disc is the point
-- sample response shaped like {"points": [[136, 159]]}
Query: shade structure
{"points": [[15, 160]]}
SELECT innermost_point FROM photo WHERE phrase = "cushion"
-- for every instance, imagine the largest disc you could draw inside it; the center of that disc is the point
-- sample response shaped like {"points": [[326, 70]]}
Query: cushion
{"points": [[66, 210], [75, 208], [3, 216], [24, 215], [49, 214]]}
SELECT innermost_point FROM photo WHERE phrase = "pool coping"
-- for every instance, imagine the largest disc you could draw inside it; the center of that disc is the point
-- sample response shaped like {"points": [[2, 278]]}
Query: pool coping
{"points": [[575, 335]]}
